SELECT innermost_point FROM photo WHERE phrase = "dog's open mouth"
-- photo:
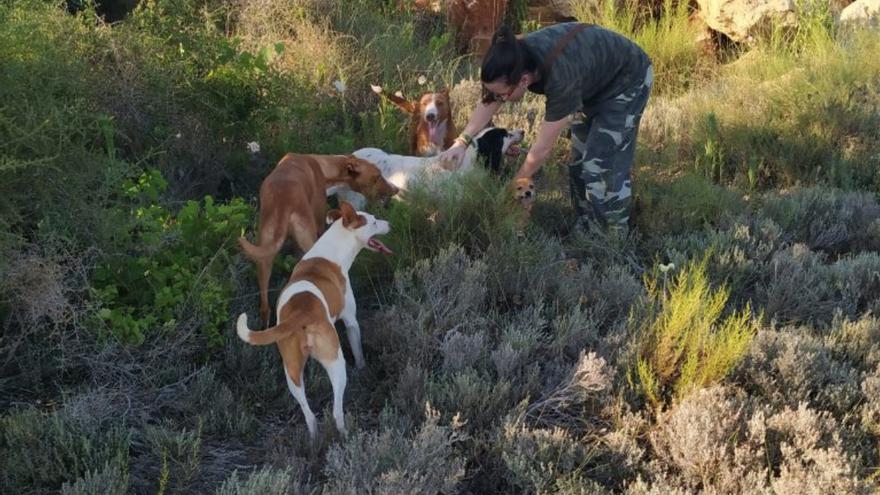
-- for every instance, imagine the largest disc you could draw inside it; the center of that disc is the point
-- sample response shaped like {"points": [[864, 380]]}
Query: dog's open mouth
{"points": [[433, 129], [514, 150], [378, 246]]}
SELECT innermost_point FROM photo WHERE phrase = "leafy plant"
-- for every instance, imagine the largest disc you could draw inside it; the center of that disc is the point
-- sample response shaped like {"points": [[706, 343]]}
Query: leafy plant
{"points": [[686, 344], [174, 263]]}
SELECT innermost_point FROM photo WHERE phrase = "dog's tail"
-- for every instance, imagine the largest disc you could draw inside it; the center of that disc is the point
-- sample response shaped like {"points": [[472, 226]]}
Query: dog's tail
{"points": [[255, 253], [397, 99], [264, 337]]}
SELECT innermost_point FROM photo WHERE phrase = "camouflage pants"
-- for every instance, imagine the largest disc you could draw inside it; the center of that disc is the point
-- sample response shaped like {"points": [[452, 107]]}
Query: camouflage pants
{"points": [[602, 151]]}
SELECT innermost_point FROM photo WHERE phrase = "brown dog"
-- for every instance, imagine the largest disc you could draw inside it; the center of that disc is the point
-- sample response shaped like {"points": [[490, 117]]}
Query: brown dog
{"points": [[293, 201], [524, 192], [431, 127]]}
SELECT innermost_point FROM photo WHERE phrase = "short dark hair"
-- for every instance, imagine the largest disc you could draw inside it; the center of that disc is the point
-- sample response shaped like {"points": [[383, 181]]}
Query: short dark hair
{"points": [[507, 58]]}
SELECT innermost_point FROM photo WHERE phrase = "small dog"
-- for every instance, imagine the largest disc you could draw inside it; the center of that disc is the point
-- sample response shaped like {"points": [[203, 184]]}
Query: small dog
{"points": [[525, 194], [293, 201], [431, 127], [318, 293]]}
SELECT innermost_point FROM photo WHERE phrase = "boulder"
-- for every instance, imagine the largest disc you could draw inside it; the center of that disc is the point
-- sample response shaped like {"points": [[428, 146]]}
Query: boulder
{"points": [[744, 20], [861, 13]]}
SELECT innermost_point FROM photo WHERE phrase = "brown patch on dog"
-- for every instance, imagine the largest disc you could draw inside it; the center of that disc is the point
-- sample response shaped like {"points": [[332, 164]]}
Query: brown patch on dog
{"points": [[327, 277]]}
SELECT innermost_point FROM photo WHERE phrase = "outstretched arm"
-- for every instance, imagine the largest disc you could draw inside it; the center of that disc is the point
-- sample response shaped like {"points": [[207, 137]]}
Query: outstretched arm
{"points": [[548, 133]]}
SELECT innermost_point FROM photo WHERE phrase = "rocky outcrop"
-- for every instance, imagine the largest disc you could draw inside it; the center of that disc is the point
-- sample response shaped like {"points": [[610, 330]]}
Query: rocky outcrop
{"points": [[746, 20], [862, 13]]}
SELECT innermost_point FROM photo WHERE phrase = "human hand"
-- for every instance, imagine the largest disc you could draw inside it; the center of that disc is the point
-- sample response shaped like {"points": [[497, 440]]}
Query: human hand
{"points": [[451, 159]]}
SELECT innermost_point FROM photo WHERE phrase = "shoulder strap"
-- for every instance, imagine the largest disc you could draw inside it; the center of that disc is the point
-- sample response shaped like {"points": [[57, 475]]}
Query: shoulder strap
{"points": [[560, 45]]}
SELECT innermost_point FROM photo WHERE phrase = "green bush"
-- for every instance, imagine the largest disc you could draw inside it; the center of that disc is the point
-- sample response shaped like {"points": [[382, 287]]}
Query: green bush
{"points": [[173, 266], [686, 345]]}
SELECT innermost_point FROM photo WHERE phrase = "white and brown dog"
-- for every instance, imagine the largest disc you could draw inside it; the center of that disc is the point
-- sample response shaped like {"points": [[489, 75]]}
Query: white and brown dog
{"points": [[431, 129], [318, 293], [491, 144]]}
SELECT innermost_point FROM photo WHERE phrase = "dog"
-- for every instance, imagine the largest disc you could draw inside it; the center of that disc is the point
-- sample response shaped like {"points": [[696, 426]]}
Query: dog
{"points": [[491, 144], [293, 201], [318, 293], [525, 195], [432, 129]]}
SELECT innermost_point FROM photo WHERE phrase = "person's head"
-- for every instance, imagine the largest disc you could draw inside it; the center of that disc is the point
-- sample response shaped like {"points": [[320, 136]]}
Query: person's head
{"points": [[508, 68]]}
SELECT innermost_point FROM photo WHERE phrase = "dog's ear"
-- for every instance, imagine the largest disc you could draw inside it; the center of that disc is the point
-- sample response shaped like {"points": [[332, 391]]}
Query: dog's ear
{"points": [[333, 215], [350, 218], [352, 166]]}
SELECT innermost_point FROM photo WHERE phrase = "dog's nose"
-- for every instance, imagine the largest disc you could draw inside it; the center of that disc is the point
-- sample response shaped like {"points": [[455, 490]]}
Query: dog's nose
{"points": [[528, 194], [431, 117]]}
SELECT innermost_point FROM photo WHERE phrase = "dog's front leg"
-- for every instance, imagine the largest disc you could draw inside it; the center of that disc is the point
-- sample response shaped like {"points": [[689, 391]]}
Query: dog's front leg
{"points": [[352, 328]]}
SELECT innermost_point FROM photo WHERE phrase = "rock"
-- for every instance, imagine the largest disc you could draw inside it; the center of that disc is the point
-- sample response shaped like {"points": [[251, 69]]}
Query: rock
{"points": [[745, 20], [862, 13]]}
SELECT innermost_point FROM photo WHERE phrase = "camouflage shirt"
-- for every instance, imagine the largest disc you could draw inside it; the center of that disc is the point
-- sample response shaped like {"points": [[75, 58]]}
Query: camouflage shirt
{"points": [[595, 65]]}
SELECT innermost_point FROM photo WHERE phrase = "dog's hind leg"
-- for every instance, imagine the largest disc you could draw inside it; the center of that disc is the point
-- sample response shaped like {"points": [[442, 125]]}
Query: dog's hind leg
{"points": [[352, 328], [325, 348], [336, 370], [295, 357], [304, 231], [264, 270]]}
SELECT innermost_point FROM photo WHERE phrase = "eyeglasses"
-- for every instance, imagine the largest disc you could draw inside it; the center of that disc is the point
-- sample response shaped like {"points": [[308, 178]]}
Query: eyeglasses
{"points": [[489, 96]]}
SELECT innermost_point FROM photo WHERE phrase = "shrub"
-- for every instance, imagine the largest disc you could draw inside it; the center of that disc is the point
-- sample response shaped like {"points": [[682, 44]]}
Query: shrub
{"points": [[177, 262], [42, 451], [179, 455], [698, 437], [112, 480], [393, 461], [685, 344], [543, 460], [801, 286], [828, 220], [791, 366], [267, 480]]}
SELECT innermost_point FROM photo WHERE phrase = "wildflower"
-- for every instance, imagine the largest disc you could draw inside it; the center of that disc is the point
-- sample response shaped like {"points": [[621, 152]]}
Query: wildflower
{"points": [[666, 268], [339, 85], [422, 80], [253, 147]]}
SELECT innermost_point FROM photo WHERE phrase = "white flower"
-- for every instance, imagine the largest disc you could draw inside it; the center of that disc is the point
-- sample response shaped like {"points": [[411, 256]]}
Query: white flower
{"points": [[339, 85], [178, 135], [253, 147], [422, 80], [666, 268]]}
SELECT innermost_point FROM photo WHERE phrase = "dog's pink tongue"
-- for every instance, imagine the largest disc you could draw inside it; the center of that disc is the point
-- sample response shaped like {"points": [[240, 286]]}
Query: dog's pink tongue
{"points": [[514, 150], [379, 246], [432, 131]]}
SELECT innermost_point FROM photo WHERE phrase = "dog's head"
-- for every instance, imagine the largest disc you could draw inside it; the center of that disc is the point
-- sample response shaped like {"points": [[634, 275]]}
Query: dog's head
{"points": [[434, 109], [362, 226], [363, 177], [524, 191], [493, 142]]}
